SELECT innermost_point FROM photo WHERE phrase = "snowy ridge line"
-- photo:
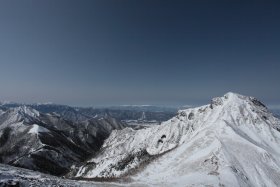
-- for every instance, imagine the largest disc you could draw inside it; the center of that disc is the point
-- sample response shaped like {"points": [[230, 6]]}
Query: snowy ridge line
{"points": [[213, 145], [49, 143]]}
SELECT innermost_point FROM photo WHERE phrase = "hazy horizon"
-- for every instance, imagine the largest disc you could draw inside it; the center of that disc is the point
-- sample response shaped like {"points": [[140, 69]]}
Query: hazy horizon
{"points": [[164, 53], [178, 106]]}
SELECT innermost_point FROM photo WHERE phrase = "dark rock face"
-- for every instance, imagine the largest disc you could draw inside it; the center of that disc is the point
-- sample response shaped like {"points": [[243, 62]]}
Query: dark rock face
{"points": [[276, 112], [257, 102], [5, 135], [215, 102], [10, 183], [49, 143], [191, 116]]}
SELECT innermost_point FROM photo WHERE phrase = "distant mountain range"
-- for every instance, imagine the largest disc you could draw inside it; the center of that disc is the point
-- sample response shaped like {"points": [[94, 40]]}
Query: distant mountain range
{"points": [[233, 141], [276, 112], [51, 138], [138, 113], [47, 142]]}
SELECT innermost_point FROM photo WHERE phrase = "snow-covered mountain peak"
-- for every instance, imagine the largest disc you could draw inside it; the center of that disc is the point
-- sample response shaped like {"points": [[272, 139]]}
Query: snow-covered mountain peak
{"points": [[25, 110], [18, 114], [232, 99], [237, 99], [213, 142], [233, 95], [233, 108]]}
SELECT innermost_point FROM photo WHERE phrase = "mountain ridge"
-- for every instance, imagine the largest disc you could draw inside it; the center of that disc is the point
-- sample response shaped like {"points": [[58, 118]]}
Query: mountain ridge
{"points": [[47, 142], [232, 141], [215, 141]]}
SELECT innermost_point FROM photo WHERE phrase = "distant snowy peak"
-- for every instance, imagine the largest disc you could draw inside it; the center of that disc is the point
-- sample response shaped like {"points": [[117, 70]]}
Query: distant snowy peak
{"points": [[21, 113], [5, 102], [25, 110], [46, 103]]}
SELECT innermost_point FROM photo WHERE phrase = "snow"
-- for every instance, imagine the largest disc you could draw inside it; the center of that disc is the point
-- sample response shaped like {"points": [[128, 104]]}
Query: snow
{"points": [[28, 110], [36, 129], [234, 141], [12, 176], [56, 142]]}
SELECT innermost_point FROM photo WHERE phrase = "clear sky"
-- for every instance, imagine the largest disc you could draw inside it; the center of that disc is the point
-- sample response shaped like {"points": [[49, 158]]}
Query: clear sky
{"points": [[88, 53]]}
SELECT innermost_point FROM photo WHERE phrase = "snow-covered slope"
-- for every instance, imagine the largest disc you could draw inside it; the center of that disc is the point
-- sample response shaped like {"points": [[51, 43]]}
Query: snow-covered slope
{"points": [[47, 142], [14, 176], [233, 141]]}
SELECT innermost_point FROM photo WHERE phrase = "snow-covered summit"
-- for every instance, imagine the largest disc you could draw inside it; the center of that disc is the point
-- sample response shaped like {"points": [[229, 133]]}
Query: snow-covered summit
{"points": [[25, 110], [18, 114], [233, 141]]}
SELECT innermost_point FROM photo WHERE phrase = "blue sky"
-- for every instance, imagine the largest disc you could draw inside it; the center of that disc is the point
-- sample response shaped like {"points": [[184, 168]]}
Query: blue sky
{"points": [[88, 53]]}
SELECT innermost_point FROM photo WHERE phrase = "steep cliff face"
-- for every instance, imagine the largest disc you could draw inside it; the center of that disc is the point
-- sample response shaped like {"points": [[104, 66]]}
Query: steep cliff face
{"points": [[233, 141]]}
